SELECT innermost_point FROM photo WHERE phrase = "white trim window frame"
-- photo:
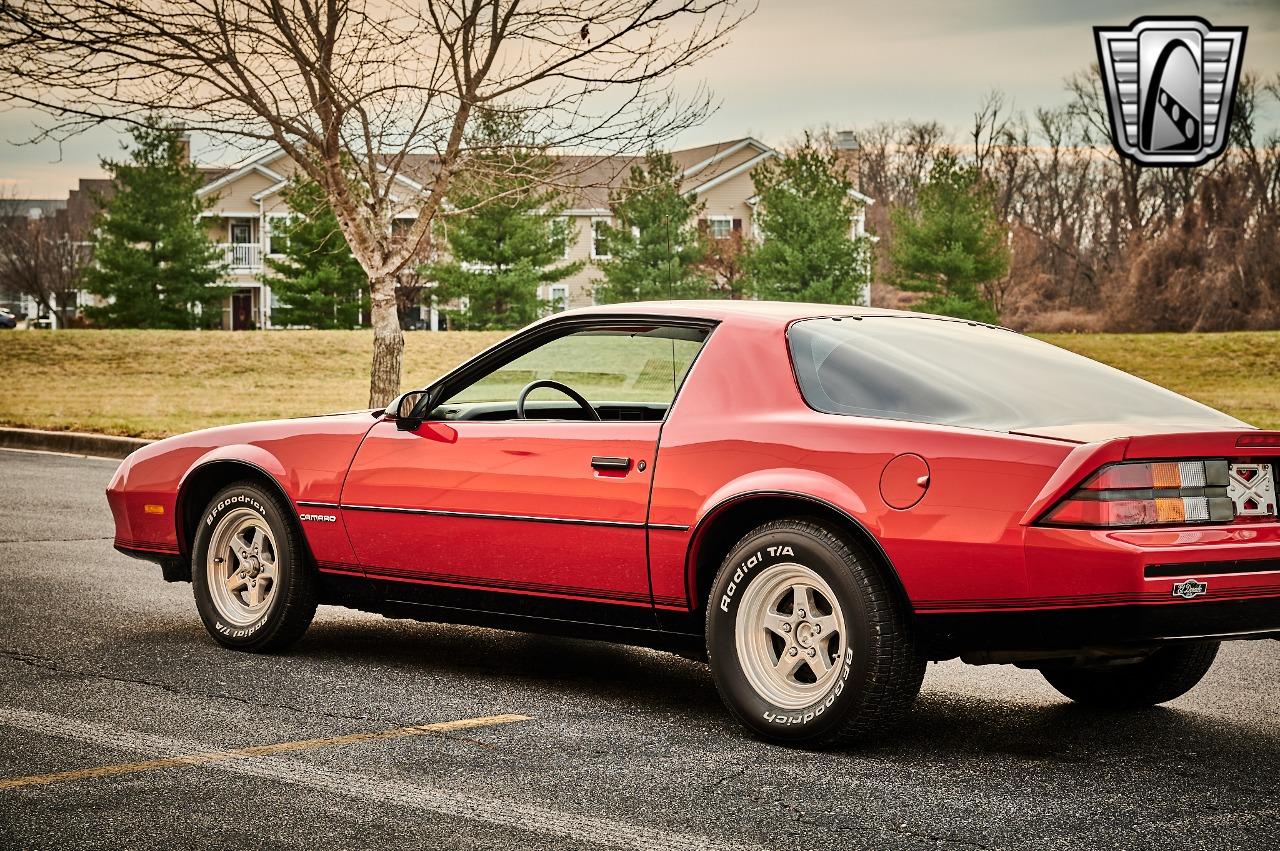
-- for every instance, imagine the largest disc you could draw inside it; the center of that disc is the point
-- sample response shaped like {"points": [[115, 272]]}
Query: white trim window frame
{"points": [[720, 227], [596, 221], [570, 235], [271, 219], [559, 298]]}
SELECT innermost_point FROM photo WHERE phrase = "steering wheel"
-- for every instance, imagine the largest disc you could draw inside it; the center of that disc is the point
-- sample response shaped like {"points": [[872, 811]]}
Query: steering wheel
{"points": [[554, 385]]}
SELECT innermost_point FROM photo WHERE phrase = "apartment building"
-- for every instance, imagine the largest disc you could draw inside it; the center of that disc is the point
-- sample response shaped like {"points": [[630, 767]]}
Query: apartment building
{"points": [[247, 205]]}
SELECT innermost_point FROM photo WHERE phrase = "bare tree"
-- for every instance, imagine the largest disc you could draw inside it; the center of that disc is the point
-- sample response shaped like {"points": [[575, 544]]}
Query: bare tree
{"points": [[359, 92], [41, 257], [895, 158]]}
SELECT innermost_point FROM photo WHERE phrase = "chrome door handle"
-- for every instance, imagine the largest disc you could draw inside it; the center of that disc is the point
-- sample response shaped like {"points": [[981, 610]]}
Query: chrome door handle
{"points": [[610, 462]]}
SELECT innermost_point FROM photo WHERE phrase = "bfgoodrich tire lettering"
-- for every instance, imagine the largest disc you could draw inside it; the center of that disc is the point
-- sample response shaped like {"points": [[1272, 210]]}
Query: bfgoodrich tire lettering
{"points": [[253, 587], [875, 670]]}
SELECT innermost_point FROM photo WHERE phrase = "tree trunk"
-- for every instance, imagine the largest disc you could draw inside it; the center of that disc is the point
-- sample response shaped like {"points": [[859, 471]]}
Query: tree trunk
{"points": [[388, 342]]}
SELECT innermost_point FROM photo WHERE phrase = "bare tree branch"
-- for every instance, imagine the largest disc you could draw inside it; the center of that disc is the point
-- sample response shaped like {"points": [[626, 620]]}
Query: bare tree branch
{"points": [[363, 93]]}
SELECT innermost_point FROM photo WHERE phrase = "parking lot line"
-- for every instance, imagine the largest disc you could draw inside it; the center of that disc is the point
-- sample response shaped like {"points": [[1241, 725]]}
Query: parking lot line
{"points": [[257, 751], [447, 801]]}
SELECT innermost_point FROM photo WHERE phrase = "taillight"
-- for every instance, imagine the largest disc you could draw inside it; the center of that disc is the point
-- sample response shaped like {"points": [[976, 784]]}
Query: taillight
{"points": [[1148, 493]]}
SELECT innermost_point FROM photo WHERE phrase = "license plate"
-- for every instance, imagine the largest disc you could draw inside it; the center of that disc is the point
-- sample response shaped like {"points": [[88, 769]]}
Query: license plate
{"points": [[1252, 488]]}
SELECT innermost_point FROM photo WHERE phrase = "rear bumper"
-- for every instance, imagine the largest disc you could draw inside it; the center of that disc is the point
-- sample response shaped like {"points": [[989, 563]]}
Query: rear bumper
{"points": [[945, 635]]}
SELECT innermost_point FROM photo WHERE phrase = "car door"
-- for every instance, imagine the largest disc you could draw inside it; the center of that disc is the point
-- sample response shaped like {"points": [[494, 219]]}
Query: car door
{"points": [[553, 504]]}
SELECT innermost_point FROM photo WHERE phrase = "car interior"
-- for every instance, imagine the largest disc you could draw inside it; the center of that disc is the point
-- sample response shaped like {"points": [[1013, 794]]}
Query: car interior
{"points": [[613, 374]]}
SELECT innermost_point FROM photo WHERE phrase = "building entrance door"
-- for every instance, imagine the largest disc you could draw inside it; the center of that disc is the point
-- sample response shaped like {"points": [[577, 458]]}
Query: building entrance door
{"points": [[242, 311]]}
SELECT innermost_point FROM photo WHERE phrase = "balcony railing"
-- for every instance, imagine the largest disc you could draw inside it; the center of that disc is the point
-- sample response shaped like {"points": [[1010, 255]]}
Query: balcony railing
{"points": [[242, 255]]}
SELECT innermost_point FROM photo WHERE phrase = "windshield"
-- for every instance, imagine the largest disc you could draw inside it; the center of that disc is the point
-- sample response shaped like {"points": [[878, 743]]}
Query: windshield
{"points": [[940, 371]]}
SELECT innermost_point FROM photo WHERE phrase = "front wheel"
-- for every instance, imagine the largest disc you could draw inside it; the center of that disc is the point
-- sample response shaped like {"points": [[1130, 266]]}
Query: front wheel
{"points": [[1167, 673], [808, 644], [249, 571]]}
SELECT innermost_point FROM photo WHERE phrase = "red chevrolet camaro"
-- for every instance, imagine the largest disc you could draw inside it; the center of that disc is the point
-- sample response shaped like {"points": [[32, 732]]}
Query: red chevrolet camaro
{"points": [[818, 498]]}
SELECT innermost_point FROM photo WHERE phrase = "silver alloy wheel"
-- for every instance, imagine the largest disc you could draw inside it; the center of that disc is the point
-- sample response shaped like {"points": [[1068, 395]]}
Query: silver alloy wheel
{"points": [[242, 566], [790, 635]]}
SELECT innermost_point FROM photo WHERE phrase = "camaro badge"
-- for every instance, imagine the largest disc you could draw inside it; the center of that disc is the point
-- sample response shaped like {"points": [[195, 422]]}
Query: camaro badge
{"points": [[1170, 84], [1190, 589]]}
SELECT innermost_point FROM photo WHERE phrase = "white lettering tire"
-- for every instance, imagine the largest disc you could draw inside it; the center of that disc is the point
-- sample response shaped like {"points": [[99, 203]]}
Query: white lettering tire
{"points": [[253, 587], [808, 643]]}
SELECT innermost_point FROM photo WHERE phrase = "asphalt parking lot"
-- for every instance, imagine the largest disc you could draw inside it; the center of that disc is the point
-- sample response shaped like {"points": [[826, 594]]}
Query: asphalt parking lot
{"points": [[123, 725]]}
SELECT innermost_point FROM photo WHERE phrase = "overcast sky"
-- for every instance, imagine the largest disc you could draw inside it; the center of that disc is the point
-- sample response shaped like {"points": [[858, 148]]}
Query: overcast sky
{"points": [[801, 64]]}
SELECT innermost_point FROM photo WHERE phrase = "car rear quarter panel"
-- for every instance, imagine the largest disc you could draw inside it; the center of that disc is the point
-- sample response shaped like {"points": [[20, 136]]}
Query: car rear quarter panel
{"points": [[740, 427]]}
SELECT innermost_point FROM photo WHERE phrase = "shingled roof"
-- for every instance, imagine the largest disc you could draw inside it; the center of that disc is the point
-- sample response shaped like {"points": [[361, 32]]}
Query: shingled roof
{"points": [[589, 178]]}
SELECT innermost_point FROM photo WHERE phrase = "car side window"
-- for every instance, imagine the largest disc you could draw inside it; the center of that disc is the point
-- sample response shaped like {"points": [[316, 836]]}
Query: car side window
{"points": [[632, 372]]}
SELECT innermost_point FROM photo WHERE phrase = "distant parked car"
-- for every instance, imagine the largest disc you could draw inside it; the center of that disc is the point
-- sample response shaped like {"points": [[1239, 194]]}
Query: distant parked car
{"points": [[7, 319]]}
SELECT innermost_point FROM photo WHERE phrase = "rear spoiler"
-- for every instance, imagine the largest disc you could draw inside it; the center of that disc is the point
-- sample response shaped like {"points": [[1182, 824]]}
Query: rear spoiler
{"points": [[1211, 444]]}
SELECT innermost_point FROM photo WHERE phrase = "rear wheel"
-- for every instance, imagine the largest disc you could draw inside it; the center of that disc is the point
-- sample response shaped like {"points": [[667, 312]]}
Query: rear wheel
{"points": [[808, 644], [252, 585], [1167, 673]]}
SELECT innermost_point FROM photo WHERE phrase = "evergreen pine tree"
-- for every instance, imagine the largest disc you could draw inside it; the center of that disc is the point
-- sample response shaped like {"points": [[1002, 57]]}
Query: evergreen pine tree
{"points": [[951, 243], [510, 241], [807, 250], [314, 275], [654, 250], [152, 258]]}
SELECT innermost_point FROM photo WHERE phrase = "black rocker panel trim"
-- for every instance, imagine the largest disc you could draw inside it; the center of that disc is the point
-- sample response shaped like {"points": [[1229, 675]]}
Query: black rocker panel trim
{"points": [[552, 616]]}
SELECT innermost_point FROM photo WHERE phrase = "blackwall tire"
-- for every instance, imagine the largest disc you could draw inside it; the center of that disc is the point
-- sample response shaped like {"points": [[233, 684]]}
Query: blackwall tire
{"points": [[1166, 674], [253, 586], [848, 686]]}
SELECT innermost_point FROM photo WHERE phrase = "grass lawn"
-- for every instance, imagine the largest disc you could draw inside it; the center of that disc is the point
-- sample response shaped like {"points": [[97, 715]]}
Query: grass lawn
{"points": [[156, 383]]}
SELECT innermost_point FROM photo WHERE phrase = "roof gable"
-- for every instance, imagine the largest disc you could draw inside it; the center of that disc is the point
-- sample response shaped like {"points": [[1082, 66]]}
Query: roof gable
{"points": [[257, 164]]}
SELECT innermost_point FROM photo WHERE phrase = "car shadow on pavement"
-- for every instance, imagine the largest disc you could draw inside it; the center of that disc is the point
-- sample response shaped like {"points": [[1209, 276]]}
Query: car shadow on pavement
{"points": [[646, 678], [956, 727], [945, 724]]}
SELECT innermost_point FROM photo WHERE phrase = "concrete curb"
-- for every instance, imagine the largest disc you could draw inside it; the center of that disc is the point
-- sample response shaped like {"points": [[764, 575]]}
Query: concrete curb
{"points": [[70, 442]]}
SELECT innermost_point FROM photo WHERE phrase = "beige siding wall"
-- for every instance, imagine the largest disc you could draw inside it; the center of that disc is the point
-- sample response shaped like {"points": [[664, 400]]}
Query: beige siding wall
{"points": [[581, 282], [236, 198], [218, 228], [730, 199], [727, 164]]}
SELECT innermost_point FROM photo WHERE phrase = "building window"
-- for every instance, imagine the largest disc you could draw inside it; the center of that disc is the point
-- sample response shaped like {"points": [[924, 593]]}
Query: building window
{"points": [[241, 232], [721, 227], [277, 234], [598, 249], [570, 231], [559, 298]]}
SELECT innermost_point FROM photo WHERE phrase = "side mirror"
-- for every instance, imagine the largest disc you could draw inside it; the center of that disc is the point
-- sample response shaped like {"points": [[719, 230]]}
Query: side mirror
{"points": [[408, 409]]}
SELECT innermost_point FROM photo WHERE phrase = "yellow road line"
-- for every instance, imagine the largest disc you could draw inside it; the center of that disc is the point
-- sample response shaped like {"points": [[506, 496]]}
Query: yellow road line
{"points": [[259, 750]]}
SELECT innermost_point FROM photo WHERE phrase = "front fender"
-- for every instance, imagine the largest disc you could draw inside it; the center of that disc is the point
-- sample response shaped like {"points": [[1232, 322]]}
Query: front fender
{"points": [[242, 453], [306, 459]]}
